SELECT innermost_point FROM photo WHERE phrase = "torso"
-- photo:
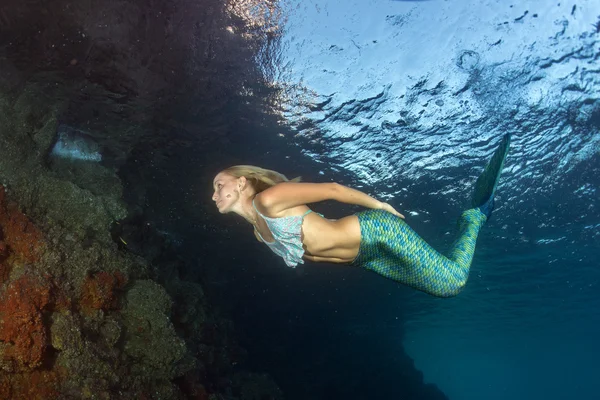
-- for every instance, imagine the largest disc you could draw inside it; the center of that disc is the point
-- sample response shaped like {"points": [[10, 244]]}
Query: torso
{"points": [[323, 240]]}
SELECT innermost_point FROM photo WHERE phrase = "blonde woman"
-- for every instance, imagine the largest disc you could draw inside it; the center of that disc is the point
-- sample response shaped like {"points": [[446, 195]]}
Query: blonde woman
{"points": [[377, 239]]}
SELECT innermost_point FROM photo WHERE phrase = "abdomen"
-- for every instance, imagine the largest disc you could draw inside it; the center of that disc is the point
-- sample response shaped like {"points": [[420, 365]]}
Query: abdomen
{"points": [[330, 241]]}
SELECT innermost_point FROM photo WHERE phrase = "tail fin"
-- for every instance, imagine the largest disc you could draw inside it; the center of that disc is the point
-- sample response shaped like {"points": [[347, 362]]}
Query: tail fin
{"points": [[485, 187]]}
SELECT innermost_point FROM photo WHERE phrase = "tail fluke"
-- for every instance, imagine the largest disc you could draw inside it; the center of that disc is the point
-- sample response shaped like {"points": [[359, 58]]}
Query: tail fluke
{"points": [[485, 187]]}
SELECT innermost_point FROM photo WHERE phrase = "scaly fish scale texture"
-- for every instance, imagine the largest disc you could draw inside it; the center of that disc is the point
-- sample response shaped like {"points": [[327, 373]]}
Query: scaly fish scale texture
{"points": [[394, 250]]}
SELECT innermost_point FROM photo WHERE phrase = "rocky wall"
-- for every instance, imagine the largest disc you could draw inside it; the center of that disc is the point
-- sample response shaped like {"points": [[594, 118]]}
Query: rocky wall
{"points": [[81, 317]]}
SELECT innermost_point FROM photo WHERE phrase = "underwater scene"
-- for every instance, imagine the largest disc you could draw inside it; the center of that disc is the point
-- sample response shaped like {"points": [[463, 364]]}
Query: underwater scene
{"points": [[299, 199]]}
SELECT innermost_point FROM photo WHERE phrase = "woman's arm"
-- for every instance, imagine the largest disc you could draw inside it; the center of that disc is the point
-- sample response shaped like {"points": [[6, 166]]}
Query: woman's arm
{"points": [[345, 194], [289, 194], [353, 196]]}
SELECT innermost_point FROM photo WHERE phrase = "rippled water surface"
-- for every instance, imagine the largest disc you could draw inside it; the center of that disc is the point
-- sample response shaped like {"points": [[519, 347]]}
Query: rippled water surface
{"points": [[411, 98]]}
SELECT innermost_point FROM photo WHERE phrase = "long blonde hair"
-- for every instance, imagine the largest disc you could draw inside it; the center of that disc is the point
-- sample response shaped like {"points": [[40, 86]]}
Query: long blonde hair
{"points": [[260, 178]]}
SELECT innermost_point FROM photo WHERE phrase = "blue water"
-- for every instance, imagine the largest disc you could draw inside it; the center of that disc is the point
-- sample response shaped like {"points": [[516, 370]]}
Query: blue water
{"points": [[405, 101]]}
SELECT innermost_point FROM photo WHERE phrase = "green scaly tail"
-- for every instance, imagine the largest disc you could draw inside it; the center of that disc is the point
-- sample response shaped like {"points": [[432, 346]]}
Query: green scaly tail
{"points": [[485, 187]]}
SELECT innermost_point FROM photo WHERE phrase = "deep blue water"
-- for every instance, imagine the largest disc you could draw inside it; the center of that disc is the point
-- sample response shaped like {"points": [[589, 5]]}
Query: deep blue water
{"points": [[525, 326], [405, 100]]}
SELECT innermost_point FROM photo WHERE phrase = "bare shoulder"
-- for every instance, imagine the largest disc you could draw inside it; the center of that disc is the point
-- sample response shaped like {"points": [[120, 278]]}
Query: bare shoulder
{"points": [[259, 201], [287, 195], [267, 206]]}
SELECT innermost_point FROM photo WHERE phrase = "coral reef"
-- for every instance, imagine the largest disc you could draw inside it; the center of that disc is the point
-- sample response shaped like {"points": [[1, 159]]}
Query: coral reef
{"points": [[18, 233], [79, 315], [100, 291], [26, 300], [4, 267], [35, 385], [22, 328], [96, 334], [148, 326]]}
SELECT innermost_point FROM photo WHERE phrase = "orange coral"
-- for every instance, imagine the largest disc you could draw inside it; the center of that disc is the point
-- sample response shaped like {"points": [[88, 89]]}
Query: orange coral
{"points": [[23, 335], [4, 272], [21, 326], [34, 385], [5, 268], [3, 251], [18, 233], [100, 291]]}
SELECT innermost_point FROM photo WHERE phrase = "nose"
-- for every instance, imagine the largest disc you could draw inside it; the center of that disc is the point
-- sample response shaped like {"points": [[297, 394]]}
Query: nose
{"points": [[214, 196]]}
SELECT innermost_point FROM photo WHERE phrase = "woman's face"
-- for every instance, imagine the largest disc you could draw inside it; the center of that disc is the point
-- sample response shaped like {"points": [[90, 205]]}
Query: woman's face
{"points": [[226, 191]]}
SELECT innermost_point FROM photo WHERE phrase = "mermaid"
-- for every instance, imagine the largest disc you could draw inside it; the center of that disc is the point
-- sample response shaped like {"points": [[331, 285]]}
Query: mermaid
{"points": [[377, 239]]}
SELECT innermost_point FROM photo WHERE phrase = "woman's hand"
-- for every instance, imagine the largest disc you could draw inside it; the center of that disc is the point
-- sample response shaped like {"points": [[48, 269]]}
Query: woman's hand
{"points": [[390, 209]]}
